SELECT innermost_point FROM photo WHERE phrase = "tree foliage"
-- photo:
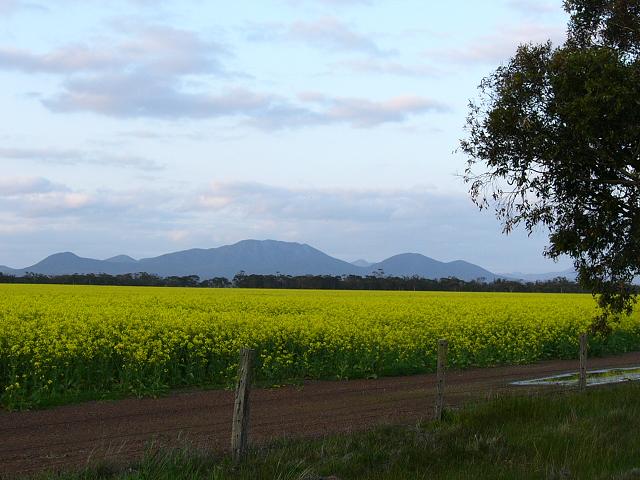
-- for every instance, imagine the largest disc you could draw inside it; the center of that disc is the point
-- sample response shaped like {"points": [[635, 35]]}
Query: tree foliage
{"points": [[375, 281], [554, 141]]}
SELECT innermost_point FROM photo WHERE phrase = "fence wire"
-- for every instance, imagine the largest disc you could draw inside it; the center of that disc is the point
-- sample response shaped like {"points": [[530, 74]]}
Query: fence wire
{"points": [[72, 436]]}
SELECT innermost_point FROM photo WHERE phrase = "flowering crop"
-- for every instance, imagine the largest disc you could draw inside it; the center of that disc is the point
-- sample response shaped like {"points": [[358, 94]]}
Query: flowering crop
{"points": [[68, 342]]}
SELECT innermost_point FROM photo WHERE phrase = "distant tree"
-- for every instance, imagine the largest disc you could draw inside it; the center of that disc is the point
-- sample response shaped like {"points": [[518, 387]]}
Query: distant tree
{"points": [[216, 282], [554, 141], [239, 279], [378, 273]]}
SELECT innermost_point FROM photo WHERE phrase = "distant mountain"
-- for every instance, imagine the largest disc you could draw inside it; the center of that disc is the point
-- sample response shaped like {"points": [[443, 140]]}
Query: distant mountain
{"points": [[409, 264], [121, 259], [7, 270], [254, 256], [250, 256], [67, 262], [361, 263], [569, 274]]}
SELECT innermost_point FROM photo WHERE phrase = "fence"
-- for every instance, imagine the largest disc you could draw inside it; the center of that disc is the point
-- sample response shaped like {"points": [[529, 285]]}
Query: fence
{"points": [[67, 436], [240, 433]]}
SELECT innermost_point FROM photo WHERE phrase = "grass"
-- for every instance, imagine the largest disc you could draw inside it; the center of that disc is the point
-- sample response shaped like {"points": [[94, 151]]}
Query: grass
{"points": [[590, 435]]}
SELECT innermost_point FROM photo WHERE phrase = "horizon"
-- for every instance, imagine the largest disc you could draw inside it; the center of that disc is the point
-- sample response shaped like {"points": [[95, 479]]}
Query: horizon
{"points": [[352, 261], [142, 128]]}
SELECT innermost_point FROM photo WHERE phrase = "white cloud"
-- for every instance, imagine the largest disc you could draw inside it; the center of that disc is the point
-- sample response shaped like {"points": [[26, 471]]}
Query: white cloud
{"points": [[57, 156], [363, 113], [500, 45], [24, 185], [37, 196], [164, 72], [142, 96], [11, 6], [535, 7], [139, 97], [8, 5], [254, 200], [331, 33], [328, 33], [332, 3], [349, 222], [384, 67], [153, 49], [178, 236]]}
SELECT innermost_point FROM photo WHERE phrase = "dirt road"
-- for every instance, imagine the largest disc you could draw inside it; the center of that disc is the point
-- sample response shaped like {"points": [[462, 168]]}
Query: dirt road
{"points": [[70, 436]]}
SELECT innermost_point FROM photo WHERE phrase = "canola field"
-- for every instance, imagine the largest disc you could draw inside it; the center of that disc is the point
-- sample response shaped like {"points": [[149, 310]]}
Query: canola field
{"points": [[67, 343]]}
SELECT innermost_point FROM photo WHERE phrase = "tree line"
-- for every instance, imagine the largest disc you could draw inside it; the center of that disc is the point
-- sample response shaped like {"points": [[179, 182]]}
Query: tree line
{"points": [[376, 281]]}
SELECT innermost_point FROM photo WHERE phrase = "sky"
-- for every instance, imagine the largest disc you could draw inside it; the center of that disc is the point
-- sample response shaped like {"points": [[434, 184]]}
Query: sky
{"points": [[142, 127]]}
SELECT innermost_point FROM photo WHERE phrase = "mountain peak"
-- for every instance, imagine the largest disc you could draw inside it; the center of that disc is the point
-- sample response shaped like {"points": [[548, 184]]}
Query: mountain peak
{"points": [[411, 255], [262, 257], [361, 263], [267, 243], [121, 259], [416, 264], [62, 255]]}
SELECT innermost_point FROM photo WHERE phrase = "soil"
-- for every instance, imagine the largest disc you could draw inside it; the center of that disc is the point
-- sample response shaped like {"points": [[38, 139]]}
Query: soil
{"points": [[73, 436]]}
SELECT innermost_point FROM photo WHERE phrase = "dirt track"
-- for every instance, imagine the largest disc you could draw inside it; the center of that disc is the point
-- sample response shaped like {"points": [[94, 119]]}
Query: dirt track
{"points": [[70, 436]]}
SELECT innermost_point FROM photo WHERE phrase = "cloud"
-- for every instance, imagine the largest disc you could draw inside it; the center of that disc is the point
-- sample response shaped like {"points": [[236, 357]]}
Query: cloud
{"points": [[11, 6], [319, 109], [381, 67], [354, 222], [535, 7], [39, 198], [349, 222], [332, 3], [366, 113], [240, 201], [57, 203], [333, 34], [163, 72], [142, 96], [144, 134], [77, 157], [7, 6], [25, 185], [178, 236], [157, 50], [70, 59], [500, 45], [327, 33], [140, 72], [255, 200], [35, 196], [345, 2], [139, 96]]}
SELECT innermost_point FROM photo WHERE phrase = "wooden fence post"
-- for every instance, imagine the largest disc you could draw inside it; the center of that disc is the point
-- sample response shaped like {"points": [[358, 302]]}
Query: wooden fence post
{"points": [[582, 382], [240, 427], [442, 365]]}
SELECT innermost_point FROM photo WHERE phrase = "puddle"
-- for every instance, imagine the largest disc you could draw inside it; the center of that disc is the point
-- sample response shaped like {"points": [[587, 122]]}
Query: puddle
{"points": [[594, 377]]}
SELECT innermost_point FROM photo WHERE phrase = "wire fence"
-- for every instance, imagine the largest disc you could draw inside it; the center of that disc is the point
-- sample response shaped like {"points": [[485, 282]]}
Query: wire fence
{"points": [[75, 436]]}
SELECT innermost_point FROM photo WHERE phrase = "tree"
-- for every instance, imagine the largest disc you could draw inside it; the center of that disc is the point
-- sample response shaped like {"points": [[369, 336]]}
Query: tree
{"points": [[554, 141]]}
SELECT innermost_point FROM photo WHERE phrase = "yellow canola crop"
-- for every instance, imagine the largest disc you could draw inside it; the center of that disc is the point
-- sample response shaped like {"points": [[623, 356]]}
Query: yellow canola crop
{"points": [[64, 343]]}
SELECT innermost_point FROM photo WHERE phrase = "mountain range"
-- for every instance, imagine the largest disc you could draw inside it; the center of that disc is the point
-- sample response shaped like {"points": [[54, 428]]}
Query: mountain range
{"points": [[258, 257]]}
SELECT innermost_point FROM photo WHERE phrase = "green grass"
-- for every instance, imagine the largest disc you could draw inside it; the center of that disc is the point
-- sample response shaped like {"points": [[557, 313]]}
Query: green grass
{"points": [[590, 435]]}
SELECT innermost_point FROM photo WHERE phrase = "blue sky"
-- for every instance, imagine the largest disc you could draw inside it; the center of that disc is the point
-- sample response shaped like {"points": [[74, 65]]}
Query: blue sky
{"points": [[148, 126]]}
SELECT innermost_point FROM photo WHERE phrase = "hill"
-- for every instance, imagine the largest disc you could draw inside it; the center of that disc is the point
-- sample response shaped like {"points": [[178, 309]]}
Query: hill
{"points": [[254, 256]]}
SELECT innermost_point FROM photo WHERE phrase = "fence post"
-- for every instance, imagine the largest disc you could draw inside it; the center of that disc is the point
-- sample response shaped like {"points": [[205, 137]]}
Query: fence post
{"points": [[240, 426], [582, 382], [442, 365]]}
